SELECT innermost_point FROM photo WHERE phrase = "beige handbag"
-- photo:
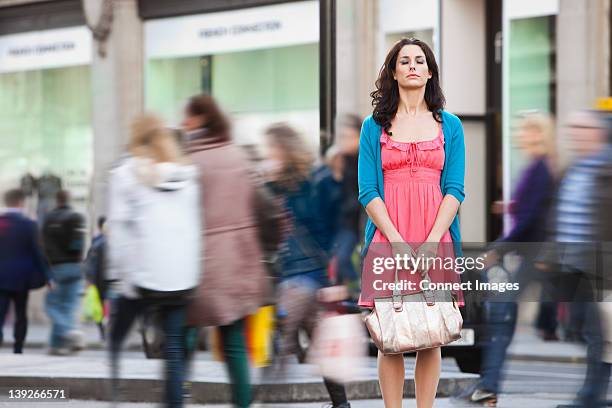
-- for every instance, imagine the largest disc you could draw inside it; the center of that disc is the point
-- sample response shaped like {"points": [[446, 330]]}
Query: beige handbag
{"points": [[418, 321]]}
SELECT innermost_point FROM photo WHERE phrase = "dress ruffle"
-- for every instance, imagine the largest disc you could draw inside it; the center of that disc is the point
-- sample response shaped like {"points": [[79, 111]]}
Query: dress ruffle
{"points": [[433, 144]]}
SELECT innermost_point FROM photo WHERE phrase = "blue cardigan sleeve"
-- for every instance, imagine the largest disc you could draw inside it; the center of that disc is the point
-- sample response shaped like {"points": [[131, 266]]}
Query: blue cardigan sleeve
{"points": [[366, 173], [456, 164]]}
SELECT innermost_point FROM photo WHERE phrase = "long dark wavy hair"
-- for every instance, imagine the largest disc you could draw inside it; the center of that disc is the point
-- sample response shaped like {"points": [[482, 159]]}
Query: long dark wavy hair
{"points": [[386, 98]]}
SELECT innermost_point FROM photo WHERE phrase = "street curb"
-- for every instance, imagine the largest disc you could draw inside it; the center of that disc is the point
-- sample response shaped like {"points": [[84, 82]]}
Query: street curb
{"points": [[511, 357], [548, 359], [146, 390]]}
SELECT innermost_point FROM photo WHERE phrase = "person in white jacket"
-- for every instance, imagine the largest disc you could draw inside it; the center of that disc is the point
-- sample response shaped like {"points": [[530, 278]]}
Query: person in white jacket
{"points": [[154, 242]]}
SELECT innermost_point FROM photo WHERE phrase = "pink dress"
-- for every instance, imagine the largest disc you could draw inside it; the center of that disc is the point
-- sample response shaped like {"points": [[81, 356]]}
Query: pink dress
{"points": [[411, 172]]}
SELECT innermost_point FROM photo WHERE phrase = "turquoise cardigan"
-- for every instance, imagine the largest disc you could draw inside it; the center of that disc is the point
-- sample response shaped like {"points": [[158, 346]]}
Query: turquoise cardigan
{"points": [[371, 182]]}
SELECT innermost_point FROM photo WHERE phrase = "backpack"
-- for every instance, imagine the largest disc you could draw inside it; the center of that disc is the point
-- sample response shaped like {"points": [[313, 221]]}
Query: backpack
{"points": [[94, 263]]}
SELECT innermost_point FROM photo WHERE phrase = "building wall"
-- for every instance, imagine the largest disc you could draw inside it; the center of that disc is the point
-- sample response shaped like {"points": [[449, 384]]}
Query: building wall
{"points": [[463, 65], [357, 60], [463, 55], [583, 54]]}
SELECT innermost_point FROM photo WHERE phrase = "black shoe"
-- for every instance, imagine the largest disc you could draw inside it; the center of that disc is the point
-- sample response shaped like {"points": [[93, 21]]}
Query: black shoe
{"points": [[343, 405]]}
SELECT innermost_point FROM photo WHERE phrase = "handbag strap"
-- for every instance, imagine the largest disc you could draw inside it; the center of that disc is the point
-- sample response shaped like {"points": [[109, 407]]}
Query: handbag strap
{"points": [[398, 299]]}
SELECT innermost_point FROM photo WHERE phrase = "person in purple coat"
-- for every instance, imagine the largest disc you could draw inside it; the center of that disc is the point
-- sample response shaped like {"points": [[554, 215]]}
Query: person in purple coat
{"points": [[529, 210]]}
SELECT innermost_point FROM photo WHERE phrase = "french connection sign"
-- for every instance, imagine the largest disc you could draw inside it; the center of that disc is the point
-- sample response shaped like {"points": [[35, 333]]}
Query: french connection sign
{"points": [[233, 31], [45, 49]]}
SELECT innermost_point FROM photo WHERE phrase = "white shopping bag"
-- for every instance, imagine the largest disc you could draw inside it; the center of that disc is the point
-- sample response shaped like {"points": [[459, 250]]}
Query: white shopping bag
{"points": [[339, 347]]}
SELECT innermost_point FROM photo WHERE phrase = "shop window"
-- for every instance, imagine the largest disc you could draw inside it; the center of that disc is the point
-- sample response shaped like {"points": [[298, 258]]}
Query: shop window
{"points": [[270, 80], [531, 73], [45, 127], [255, 88]]}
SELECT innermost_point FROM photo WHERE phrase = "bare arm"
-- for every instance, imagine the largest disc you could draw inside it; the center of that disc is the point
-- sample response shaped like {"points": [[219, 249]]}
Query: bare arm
{"points": [[446, 214], [377, 211]]}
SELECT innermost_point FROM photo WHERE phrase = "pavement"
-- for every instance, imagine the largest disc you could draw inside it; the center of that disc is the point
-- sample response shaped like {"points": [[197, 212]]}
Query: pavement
{"points": [[527, 346], [86, 377]]}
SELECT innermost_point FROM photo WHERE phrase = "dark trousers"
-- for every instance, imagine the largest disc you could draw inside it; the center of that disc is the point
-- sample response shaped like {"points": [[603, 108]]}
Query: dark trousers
{"points": [[547, 317], [234, 349], [501, 314], [125, 312], [581, 290], [346, 241], [237, 362], [20, 305], [501, 321]]}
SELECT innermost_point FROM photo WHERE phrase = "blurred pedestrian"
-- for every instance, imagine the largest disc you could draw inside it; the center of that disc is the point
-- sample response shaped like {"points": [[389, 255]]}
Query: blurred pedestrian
{"points": [[577, 229], [234, 283], [95, 266], [64, 241], [22, 264], [307, 247], [529, 210], [351, 211], [327, 178], [154, 243], [411, 183], [604, 183]]}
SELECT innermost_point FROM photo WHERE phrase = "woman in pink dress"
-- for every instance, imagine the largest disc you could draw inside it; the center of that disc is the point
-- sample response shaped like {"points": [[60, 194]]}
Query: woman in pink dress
{"points": [[411, 170]]}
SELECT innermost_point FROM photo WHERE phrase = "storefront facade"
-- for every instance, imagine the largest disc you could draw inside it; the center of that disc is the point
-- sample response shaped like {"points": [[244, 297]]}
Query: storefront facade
{"points": [[260, 63], [69, 113]]}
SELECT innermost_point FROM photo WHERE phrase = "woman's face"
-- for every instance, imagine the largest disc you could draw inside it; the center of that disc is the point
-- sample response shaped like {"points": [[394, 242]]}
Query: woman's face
{"points": [[529, 139], [586, 135], [192, 122], [274, 159], [411, 69]]}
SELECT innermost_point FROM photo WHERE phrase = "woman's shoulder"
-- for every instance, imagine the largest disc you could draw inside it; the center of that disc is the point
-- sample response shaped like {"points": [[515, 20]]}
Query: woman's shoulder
{"points": [[450, 118], [452, 127], [371, 128]]}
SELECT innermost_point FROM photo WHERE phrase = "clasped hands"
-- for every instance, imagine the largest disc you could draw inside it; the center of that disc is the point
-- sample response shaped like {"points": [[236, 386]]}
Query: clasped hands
{"points": [[418, 258]]}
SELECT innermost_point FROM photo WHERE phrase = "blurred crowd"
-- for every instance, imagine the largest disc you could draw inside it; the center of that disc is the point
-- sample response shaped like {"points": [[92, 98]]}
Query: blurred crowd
{"points": [[561, 232], [203, 233], [207, 233]]}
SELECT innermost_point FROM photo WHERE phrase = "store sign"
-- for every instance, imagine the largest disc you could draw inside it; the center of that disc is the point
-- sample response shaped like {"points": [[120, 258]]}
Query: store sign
{"points": [[45, 49], [519, 9], [233, 31]]}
